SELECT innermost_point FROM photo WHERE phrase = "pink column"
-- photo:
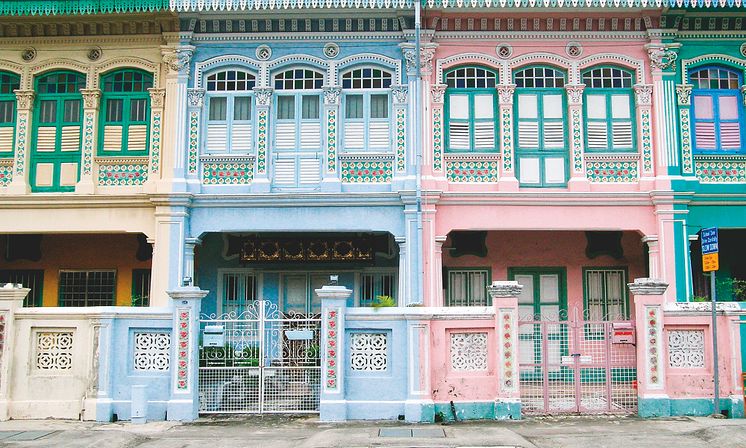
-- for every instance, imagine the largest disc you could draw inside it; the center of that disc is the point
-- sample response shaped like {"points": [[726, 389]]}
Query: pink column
{"points": [[504, 296]]}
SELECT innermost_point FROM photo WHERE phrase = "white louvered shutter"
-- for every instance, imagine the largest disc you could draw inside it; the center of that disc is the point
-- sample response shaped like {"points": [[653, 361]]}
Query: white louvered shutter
{"points": [[596, 125], [217, 137], [458, 125], [45, 140], [6, 138], [378, 135], [137, 137], [310, 171], [354, 135], [528, 131], [241, 137], [704, 131], [285, 171], [112, 138], [554, 127], [621, 127], [285, 136], [484, 122], [70, 138], [730, 128], [310, 135]]}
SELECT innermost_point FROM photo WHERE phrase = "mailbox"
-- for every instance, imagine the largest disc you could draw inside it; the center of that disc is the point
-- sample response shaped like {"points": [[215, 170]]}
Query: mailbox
{"points": [[213, 336], [622, 333]]}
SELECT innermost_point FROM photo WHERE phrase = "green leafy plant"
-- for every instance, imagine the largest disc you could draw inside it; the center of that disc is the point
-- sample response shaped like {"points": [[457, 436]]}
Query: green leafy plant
{"points": [[699, 299], [384, 302], [138, 300]]}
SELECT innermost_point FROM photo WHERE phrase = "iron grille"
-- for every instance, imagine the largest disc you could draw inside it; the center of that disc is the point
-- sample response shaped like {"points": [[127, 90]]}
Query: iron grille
{"points": [[87, 288]]}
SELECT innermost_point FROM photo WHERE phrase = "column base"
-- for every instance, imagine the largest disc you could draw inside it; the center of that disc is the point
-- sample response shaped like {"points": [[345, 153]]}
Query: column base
{"points": [[85, 187], [4, 410], [647, 183], [508, 409], [261, 185], [419, 411], [579, 184], [331, 410], [508, 183], [182, 410], [194, 185], [331, 185], [18, 188], [97, 409], [654, 406]]}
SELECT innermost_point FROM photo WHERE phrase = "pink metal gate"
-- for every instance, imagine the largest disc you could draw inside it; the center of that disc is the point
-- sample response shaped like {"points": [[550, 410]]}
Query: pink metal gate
{"points": [[573, 365]]}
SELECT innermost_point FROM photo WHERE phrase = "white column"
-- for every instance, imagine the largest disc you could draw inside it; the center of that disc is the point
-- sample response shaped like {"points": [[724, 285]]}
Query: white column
{"points": [[507, 180], [91, 105], [261, 183], [22, 159], [157, 98], [331, 169], [578, 180], [168, 265]]}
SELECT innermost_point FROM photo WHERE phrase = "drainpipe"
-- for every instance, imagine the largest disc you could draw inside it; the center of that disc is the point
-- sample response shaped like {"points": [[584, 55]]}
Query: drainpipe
{"points": [[418, 151]]}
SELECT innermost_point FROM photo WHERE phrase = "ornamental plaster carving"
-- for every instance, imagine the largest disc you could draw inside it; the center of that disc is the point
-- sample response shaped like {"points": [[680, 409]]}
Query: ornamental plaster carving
{"points": [[743, 94], [462, 58], [400, 93], [724, 59], [637, 65], [331, 95], [177, 59], [195, 97], [427, 52], [684, 92], [90, 98], [126, 62], [372, 58], [263, 96], [643, 94], [437, 92], [575, 93], [56, 64], [505, 92], [302, 59], [200, 68], [157, 96], [25, 99], [662, 56]]}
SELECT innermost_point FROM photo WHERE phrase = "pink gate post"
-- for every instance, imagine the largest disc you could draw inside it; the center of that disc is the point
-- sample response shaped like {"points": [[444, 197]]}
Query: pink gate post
{"points": [[504, 296]]}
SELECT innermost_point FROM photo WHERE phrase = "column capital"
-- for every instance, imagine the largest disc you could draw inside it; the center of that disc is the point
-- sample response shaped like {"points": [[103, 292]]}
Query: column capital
{"points": [[177, 59], [663, 56], [332, 95], [91, 98], [263, 96], [437, 91], [643, 94], [156, 97], [24, 99], [195, 97], [647, 287], [575, 94], [400, 93], [684, 94], [505, 93], [427, 53]]}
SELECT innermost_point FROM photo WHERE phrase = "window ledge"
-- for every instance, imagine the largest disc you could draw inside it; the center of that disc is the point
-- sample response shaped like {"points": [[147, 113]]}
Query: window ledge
{"points": [[226, 157], [367, 156], [108, 160], [615, 156], [738, 157], [472, 156]]}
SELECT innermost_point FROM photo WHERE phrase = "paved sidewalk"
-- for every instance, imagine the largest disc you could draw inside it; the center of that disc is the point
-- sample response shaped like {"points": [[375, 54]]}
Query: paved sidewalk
{"points": [[308, 432]]}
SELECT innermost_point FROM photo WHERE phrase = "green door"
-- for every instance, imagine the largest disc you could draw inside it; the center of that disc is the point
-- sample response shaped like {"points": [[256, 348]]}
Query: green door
{"points": [[56, 143]]}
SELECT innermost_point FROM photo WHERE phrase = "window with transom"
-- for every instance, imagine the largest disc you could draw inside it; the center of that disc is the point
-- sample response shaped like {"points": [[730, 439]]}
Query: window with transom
{"points": [[718, 110], [125, 113], [608, 109], [471, 105], [57, 130], [230, 112], [9, 82], [541, 128], [366, 109]]}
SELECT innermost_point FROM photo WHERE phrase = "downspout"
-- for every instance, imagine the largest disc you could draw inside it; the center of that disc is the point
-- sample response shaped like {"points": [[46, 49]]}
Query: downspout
{"points": [[418, 151]]}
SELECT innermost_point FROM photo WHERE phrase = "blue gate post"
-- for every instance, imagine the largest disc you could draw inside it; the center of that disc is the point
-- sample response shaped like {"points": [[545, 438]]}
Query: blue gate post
{"points": [[184, 402], [332, 405]]}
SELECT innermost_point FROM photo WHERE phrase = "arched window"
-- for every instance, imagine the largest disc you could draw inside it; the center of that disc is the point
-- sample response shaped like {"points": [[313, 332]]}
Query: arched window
{"points": [[471, 105], [366, 105], [297, 128], [8, 83], [229, 111], [125, 113], [541, 148], [58, 116], [717, 109], [608, 109]]}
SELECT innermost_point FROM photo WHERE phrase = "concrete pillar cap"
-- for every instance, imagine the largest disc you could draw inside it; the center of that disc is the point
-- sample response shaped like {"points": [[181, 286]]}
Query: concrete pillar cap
{"points": [[503, 288], [647, 286]]}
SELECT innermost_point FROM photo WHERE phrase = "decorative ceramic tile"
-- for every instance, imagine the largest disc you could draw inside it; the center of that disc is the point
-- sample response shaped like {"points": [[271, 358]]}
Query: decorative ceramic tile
{"points": [[401, 141], [261, 156], [686, 141], [653, 345], [437, 139], [20, 163], [366, 171], [472, 170], [152, 352], [87, 162], [6, 172], [54, 350], [332, 345], [469, 352], [508, 369], [331, 141], [182, 348], [647, 142], [506, 125], [611, 171], [155, 142], [720, 170], [227, 172], [686, 349], [368, 352], [577, 142], [122, 174], [193, 141]]}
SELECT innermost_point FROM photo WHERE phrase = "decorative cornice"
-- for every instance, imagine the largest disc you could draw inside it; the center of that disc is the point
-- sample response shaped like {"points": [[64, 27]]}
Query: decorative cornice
{"points": [[255, 5], [663, 56], [177, 59], [195, 97], [552, 4], [331, 95], [643, 94], [427, 52], [683, 93]]}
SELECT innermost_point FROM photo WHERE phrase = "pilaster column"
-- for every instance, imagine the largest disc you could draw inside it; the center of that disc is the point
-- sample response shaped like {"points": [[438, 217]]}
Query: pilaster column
{"points": [[653, 255], [183, 405], [333, 404], [436, 274], [418, 131], [651, 369], [11, 299], [504, 295], [263, 96], [683, 97], [22, 159], [331, 180], [189, 245], [403, 280], [437, 94], [400, 94], [195, 97], [578, 180], [177, 59], [418, 406], [507, 180], [91, 104], [98, 404], [662, 61], [169, 259], [157, 99]]}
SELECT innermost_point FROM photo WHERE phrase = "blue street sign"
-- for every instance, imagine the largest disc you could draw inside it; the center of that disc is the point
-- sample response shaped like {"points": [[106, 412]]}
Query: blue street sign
{"points": [[709, 238]]}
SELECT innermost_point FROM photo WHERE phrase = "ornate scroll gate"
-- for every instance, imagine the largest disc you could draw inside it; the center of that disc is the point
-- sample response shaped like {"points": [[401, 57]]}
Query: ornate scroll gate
{"points": [[569, 365], [259, 360]]}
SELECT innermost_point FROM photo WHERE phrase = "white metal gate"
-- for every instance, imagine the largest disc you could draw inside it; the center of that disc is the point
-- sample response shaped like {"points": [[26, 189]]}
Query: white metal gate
{"points": [[260, 360]]}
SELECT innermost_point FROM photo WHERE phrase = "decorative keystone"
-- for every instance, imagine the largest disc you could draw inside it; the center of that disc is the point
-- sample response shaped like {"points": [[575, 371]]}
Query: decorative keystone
{"points": [[504, 289], [647, 287]]}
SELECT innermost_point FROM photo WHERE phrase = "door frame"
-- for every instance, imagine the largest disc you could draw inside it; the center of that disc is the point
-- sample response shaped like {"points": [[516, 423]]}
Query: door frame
{"points": [[536, 271]]}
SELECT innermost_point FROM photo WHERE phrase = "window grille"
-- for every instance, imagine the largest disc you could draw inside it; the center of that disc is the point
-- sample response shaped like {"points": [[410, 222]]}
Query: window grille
{"points": [[33, 279], [468, 288], [87, 288], [373, 285]]}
